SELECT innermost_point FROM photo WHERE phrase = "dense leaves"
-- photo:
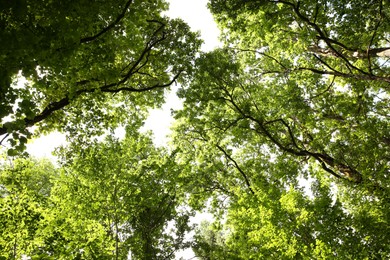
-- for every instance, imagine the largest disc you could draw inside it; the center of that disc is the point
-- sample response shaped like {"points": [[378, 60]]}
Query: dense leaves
{"points": [[284, 132], [87, 64], [24, 191], [108, 200], [298, 97]]}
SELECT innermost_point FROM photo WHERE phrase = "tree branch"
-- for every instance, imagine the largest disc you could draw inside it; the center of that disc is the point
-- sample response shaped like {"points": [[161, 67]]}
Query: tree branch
{"points": [[106, 88], [110, 26], [347, 75], [132, 89], [324, 159], [238, 168], [5, 136], [321, 33], [377, 52], [55, 106]]}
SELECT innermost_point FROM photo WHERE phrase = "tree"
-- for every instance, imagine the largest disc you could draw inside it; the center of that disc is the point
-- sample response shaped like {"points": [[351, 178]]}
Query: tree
{"points": [[24, 202], [299, 35], [210, 243], [313, 48], [87, 64], [298, 92], [284, 131], [108, 200], [131, 189]]}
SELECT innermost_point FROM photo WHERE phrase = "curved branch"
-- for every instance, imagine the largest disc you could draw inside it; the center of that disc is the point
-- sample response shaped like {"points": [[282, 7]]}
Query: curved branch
{"points": [[263, 54], [324, 159], [132, 89], [5, 137], [55, 106], [347, 75], [321, 33], [110, 26], [377, 52], [106, 88]]}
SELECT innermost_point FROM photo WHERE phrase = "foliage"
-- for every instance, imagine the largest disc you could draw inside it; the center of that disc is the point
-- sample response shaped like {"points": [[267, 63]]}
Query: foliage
{"points": [[24, 191], [284, 131], [297, 97], [87, 64], [128, 187], [107, 200], [210, 243]]}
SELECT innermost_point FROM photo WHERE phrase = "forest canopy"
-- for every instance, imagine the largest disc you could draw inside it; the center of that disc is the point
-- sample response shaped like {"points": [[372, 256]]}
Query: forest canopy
{"points": [[284, 134]]}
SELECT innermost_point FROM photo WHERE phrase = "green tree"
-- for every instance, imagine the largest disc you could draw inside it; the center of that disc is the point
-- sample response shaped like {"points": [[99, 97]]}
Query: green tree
{"points": [[89, 65], [285, 131], [106, 201], [335, 38], [24, 201], [210, 243], [300, 91], [122, 194]]}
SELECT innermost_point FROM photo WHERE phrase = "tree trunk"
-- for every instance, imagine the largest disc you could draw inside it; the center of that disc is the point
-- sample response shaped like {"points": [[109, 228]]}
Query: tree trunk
{"points": [[376, 52], [372, 53]]}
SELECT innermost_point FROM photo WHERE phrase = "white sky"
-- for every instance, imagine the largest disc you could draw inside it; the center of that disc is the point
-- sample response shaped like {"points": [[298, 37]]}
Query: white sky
{"points": [[195, 14]]}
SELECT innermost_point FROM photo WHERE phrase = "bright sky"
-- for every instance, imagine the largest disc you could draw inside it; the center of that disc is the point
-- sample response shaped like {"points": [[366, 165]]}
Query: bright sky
{"points": [[195, 14]]}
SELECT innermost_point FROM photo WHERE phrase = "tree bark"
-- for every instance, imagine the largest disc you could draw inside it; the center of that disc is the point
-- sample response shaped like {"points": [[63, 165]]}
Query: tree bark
{"points": [[376, 52]]}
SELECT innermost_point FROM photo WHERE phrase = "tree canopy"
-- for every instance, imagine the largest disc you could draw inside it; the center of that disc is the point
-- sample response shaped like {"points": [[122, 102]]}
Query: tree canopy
{"points": [[109, 199], [87, 64], [284, 133]]}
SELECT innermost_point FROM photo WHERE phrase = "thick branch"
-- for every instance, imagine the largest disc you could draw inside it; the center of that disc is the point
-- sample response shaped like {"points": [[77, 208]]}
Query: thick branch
{"points": [[356, 53], [132, 89], [107, 88], [324, 159], [55, 106], [376, 52], [50, 109], [321, 33], [347, 75], [110, 26]]}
